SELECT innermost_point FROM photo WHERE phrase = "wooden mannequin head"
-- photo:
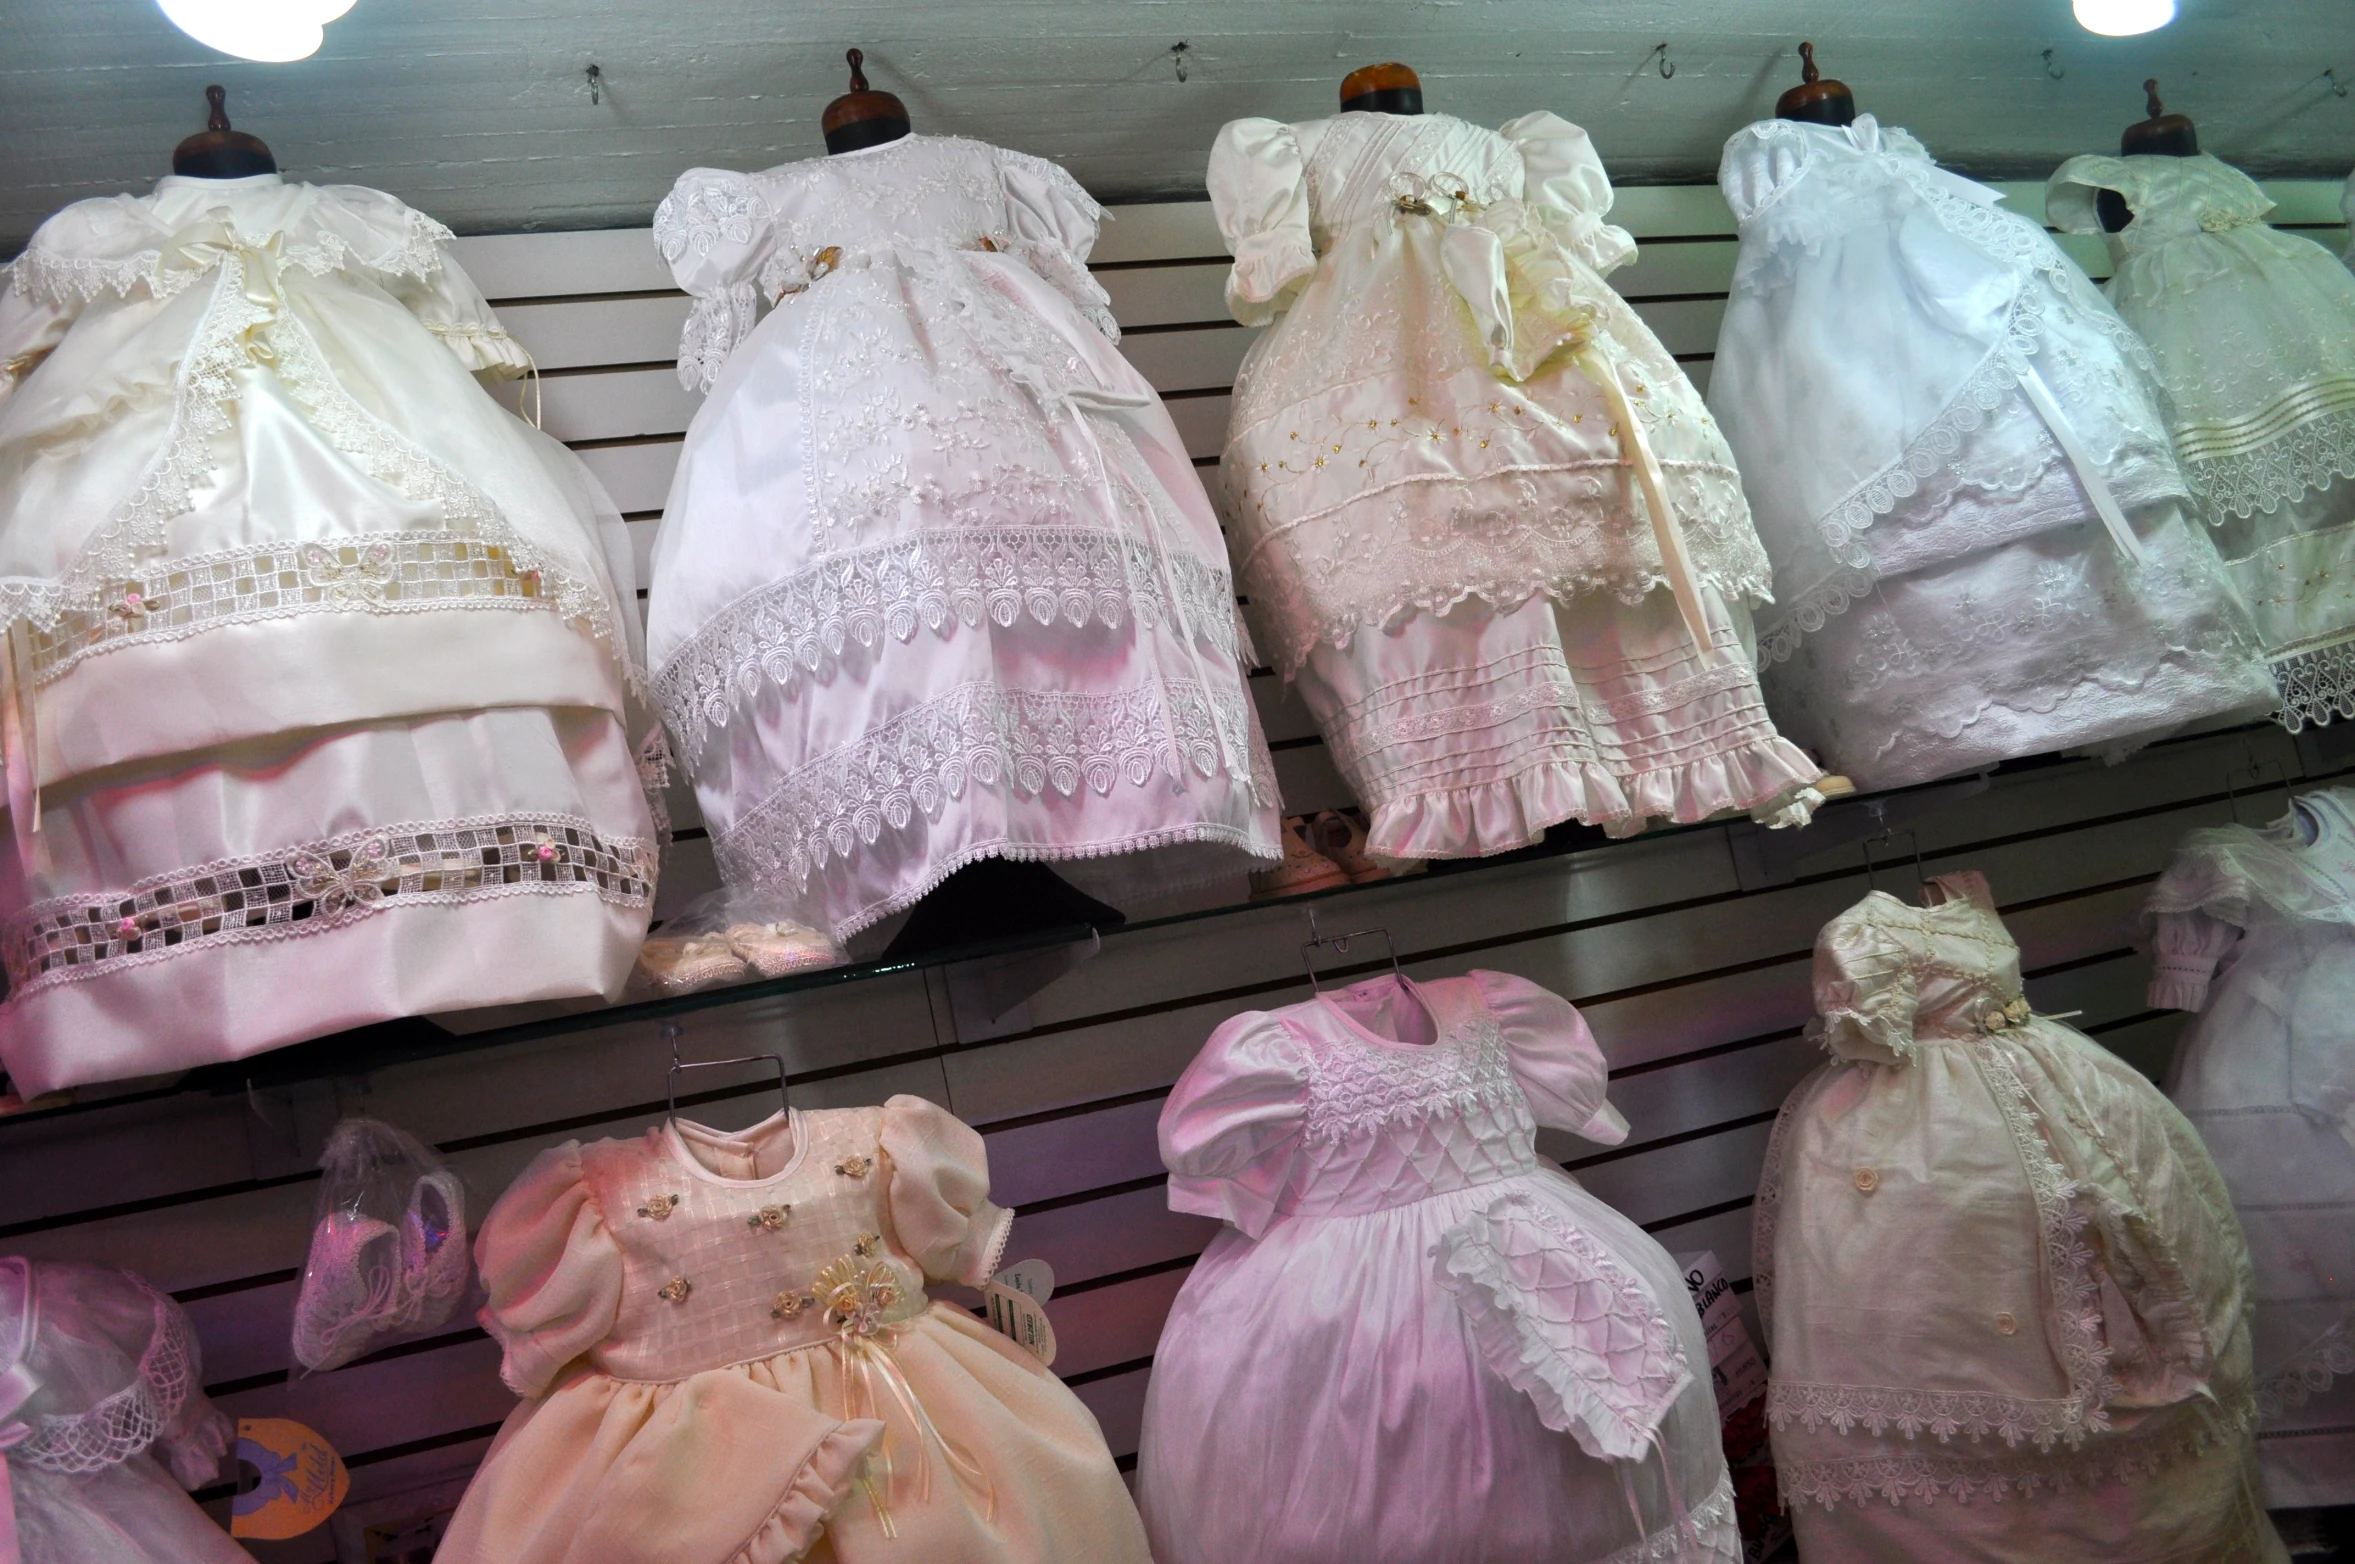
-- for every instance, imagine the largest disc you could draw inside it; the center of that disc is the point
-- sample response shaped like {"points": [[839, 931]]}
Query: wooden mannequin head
{"points": [[2161, 135], [1382, 89], [863, 117], [217, 152], [1815, 100]]}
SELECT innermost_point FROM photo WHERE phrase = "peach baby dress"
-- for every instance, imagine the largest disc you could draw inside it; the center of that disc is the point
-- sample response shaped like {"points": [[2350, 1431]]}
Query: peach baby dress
{"points": [[728, 1358]]}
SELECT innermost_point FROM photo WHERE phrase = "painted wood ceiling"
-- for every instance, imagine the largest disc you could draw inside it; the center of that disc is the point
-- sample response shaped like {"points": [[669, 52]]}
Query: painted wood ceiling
{"points": [[482, 112]]}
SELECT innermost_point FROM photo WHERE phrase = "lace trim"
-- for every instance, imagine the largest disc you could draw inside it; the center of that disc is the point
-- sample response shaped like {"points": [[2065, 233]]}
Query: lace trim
{"points": [[389, 572], [1354, 1090], [2316, 686], [1926, 1476], [45, 274], [981, 735], [1942, 1414], [318, 886], [1766, 1214], [2310, 1373], [934, 580], [132, 1418], [1713, 1521], [2304, 442]]}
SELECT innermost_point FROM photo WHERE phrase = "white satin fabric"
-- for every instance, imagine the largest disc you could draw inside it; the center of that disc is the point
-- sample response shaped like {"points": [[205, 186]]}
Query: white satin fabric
{"points": [[937, 581], [1958, 463], [109, 1375], [2255, 931], [1415, 1342], [1452, 415], [2254, 335], [318, 673], [2005, 1298]]}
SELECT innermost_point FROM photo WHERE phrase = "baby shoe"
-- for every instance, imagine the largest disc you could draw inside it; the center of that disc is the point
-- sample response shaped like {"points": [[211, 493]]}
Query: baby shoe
{"points": [[1303, 869], [682, 965], [1340, 834], [775, 949]]}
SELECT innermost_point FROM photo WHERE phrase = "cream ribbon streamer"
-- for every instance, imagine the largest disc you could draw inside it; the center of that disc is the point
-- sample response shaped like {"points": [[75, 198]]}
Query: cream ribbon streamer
{"points": [[2105, 504], [866, 1359]]}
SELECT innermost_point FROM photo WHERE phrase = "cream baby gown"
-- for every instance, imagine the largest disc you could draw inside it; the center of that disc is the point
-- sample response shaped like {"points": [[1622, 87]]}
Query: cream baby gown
{"points": [[1416, 1341], [937, 581], [317, 687], [1983, 546], [2255, 931], [728, 1358], [2254, 333], [2006, 1303], [1485, 523]]}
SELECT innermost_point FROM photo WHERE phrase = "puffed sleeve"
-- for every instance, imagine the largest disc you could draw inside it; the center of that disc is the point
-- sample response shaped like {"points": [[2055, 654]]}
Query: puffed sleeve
{"points": [[1864, 990], [551, 1268], [408, 253], [1233, 1123], [29, 328], [1564, 181], [2192, 918], [1054, 223], [449, 305], [1554, 1056], [2185, 948], [2072, 195], [1259, 193], [715, 229], [939, 1193]]}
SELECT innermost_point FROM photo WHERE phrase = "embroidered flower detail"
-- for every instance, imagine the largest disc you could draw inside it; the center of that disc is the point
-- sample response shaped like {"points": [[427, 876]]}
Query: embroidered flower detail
{"points": [[791, 1304], [344, 878], [362, 578], [131, 605], [661, 1206], [855, 1167], [769, 1219], [857, 1296], [675, 1290], [2013, 1015]]}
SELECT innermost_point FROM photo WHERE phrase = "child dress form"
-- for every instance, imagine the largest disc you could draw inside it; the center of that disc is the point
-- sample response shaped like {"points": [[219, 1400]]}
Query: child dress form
{"points": [[2255, 930], [728, 1358], [2254, 334], [1415, 1342], [1983, 545], [1484, 521], [2006, 1302], [105, 1422], [317, 693], [937, 581]]}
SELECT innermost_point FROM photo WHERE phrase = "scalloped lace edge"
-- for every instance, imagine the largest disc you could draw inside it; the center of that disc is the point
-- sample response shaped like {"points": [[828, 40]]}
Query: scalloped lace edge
{"points": [[129, 1420], [2316, 686], [43, 274], [1926, 1476], [2309, 1374], [1712, 1523]]}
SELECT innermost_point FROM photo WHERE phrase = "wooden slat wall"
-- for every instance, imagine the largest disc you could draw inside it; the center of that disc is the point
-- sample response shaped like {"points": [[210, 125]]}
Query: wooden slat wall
{"points": [[1692, 968]]}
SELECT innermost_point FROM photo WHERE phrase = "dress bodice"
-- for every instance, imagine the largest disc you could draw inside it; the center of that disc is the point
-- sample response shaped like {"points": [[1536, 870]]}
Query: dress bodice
{"points": [[1889, 976], [1360, 166], [2172, 198]]}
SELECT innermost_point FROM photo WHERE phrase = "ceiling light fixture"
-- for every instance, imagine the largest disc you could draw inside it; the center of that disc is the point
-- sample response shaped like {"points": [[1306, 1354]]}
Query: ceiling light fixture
{"points": [[273, 30], [2124, 18]]}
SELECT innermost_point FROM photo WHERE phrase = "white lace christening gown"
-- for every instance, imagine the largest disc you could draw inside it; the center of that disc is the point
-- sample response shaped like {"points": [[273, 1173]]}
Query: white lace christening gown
{"points": [[2255, 930], [2254, 333], [1416, 1341], [316, 693], [2006, 1302], [106, 1421], [1983, 546], [1483, 519], [937, 581]]}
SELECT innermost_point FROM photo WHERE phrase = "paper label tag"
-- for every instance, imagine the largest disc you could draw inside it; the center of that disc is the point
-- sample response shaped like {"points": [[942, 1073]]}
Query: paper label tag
{"points": [[1016, 1303], [1034, 1279], [302, 1480]]}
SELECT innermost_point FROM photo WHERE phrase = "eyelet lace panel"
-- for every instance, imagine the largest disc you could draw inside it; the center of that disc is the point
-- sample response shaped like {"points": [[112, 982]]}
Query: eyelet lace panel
{"points": [[2305, 441], [1556, 1316], [386, 572], [132, 1418], [694, 217], [1927, 1476], [935, 580], [1026, 742], [2309, 1374], [319, 886]]}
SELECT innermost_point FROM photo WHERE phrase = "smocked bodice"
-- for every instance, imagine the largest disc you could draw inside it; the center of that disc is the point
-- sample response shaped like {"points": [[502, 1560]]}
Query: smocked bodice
{"points": [[1360, 167]]}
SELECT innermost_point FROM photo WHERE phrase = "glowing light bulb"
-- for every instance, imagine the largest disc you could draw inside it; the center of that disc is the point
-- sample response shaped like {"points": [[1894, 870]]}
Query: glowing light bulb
{"points": [[2124, 18], [272, 30]]}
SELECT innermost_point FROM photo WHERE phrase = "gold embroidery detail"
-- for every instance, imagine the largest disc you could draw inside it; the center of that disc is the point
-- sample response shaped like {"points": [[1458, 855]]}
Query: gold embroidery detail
{"points": [[791, 1304], [675, 1290], [769, 1218], [661, 1206], [855, 1167], [857, 1296]]}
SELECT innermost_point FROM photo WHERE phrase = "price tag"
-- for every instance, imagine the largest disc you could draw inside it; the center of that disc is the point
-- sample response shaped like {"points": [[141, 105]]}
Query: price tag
{"points": [[302, 1480], [1016, 1303]]}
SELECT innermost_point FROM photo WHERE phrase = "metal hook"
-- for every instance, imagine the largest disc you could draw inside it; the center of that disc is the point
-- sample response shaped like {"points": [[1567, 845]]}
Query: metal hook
{"points": [[1177, 58], [1340, 944], [596, 85], [2338, 88], [2254, 770], [672, 1031], [1667, 65], [2052, 68]]}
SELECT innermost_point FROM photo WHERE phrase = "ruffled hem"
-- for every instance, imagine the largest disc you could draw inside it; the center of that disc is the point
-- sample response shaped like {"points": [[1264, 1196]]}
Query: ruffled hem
{"points": [[1769, 778], [793, 1527]]}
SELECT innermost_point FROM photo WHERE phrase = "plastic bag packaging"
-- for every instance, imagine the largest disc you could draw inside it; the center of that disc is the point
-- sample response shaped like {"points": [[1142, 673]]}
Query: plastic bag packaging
{"points": [[388, 1252], [729, 936]]}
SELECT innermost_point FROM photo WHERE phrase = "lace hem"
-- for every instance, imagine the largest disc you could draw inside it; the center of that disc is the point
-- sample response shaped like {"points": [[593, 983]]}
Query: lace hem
{"points": [[2304, 442], [2309, 1374], [132, 1418], [2316, 686], [1712, 1523], [385, 572], [936, 580], [318, 886], [53, 278], [1926, 1476], [1555, 1315], [1942, 1414], [1026, 742]]}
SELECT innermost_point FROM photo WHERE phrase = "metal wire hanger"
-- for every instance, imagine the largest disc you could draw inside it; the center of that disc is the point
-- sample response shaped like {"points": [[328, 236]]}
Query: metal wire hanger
{"points": [[1340, 944], [671, 1031]]}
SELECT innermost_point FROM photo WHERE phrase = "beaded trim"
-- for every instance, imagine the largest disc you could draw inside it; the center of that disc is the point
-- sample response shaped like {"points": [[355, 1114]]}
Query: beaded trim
{"points": [[318, 886]]}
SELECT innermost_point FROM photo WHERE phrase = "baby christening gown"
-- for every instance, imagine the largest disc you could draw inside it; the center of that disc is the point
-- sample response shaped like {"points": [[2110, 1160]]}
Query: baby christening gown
{"points": [[2006, 1302], [1486, 525], [2254, 333], [1416, 1342], [937, 581], [2255, 930], [730, 1359], [316, 698], [1983, 546]]}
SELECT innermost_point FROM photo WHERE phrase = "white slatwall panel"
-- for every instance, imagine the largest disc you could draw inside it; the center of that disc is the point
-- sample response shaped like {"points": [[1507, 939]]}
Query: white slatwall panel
{"points": [[1695, 982]]}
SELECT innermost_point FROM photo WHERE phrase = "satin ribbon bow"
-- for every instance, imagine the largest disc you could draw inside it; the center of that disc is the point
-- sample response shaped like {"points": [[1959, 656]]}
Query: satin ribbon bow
{"points": [[856, 1296], [216, 242]]}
